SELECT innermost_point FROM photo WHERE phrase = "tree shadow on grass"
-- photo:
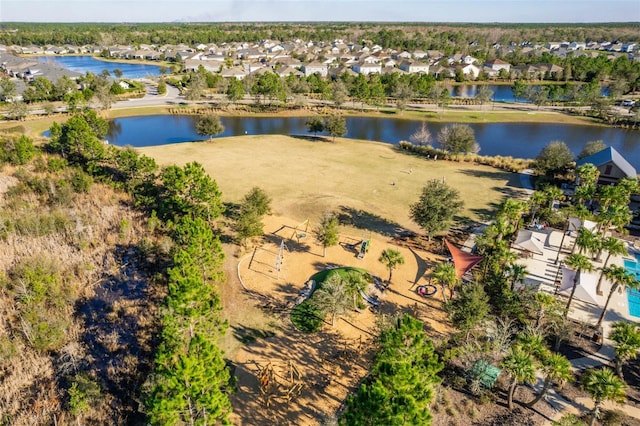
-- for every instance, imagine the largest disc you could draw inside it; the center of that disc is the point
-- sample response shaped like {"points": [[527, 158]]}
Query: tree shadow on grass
{"points": [[250, 334], [365, 220], [313, 138], [486, 214], [513, 181], [117, 324]]}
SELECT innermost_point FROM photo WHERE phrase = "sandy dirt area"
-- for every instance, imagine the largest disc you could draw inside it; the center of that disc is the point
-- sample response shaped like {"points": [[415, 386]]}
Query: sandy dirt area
{"points": [[332, 362]]}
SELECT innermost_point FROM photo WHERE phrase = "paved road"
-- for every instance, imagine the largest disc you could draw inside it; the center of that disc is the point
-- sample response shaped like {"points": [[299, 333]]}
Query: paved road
{"points": [[152, 98]]}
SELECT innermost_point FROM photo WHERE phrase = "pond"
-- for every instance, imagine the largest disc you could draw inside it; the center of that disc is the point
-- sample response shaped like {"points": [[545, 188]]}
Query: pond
{"points": [[523, 140], [501, 92], [83, 64]]}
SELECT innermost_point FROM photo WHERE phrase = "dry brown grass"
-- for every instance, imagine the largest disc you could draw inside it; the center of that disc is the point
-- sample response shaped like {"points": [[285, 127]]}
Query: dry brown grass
{"points": [[308, 177], [87, 256]]}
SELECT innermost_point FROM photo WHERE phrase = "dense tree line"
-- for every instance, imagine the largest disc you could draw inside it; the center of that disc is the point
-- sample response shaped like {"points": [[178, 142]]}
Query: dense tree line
{"points": [[191, 382], [445, 37]]}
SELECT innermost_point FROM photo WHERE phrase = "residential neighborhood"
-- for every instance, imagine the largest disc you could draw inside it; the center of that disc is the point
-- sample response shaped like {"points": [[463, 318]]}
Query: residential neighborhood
{"points": [[300, 57]]}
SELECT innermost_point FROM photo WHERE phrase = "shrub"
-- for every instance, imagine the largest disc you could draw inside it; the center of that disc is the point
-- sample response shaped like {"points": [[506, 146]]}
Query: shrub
{"points": [[306, 317], [56, 164], [18, 151], [40, 224], [81, 181], [82, 394], [504, 163]]}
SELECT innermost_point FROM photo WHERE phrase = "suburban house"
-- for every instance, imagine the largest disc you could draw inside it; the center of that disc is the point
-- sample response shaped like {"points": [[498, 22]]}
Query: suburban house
{"points": [[287, 70], [366, 69], [467, 59], [195, 64], [498, 64], [470, 71], [611, 164], [234, 72], [315, 67], [414, 67]]}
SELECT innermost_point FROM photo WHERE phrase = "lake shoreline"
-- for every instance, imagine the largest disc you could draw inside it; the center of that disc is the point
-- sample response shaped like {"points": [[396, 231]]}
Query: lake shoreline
{"points": [[503, 113]]}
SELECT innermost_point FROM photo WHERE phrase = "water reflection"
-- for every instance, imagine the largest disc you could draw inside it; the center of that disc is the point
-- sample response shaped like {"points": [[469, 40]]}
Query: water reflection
{"points": [[503, 92]]}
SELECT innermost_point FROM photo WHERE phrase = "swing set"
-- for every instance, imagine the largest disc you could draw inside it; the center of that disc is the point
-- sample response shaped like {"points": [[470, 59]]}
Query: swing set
{"points": [[300, 231]]}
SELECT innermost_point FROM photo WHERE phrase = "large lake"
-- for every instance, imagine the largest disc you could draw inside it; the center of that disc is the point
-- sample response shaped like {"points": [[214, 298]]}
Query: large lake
{"points": [[523, 140], [84, 64]]}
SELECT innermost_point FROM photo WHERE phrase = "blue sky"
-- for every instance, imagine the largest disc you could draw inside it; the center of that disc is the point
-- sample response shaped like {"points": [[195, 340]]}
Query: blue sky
{"points": [[320, 10]]}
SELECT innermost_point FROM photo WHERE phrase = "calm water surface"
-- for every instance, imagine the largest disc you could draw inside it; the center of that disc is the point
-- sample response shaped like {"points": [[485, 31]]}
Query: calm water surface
{"points": [[523, 140], [83, 64], [501, 92]]}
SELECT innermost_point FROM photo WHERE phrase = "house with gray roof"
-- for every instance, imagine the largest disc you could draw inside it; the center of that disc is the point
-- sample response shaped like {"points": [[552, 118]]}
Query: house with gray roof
{"points": [[611, 164]]}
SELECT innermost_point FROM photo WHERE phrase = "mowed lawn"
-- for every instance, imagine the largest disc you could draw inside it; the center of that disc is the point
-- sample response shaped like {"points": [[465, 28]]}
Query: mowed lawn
{"points": [[306, 177]]}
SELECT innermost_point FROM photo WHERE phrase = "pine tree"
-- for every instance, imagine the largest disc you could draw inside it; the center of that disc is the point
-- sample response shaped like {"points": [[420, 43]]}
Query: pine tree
{"points": [[401, 385], [191, 387]]}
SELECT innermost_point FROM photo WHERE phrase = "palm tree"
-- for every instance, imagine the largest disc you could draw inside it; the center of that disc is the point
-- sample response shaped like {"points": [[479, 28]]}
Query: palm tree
{"points": [[512, 210], [614, 215], [588, 174], [445, 275], [544, 303], [579, 263], [614, 247], [532, 342], [519, 365], [517, 273], [537, 199], [391, 258], [626, 335], [556, 368], [586, 240], [553, 193], [603, 385], [355, 283], [620, 277], [502, 227]]}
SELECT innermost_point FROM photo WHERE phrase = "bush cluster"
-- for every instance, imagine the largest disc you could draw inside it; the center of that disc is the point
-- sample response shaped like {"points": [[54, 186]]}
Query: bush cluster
{"points": [[509, 164]]}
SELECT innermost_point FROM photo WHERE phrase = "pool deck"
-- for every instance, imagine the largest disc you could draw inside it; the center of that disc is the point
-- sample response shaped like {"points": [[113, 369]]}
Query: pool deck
{"points": [[546, 274]]}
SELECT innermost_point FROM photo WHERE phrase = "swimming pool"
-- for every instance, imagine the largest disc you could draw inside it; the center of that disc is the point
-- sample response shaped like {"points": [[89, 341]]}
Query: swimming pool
{"points": [[633, 296]]}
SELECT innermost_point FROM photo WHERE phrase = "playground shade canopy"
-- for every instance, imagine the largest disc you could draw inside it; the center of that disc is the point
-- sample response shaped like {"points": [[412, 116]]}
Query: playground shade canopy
{"points": [[585, 288], [530, 241], [462, 261]]}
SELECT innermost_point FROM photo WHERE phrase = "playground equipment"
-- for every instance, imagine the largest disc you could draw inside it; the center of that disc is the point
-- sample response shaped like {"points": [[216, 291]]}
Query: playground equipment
{"points": [[281, 382], [280, 257], [426, 290], [364, 246], [373, 302], [300, 233]]}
